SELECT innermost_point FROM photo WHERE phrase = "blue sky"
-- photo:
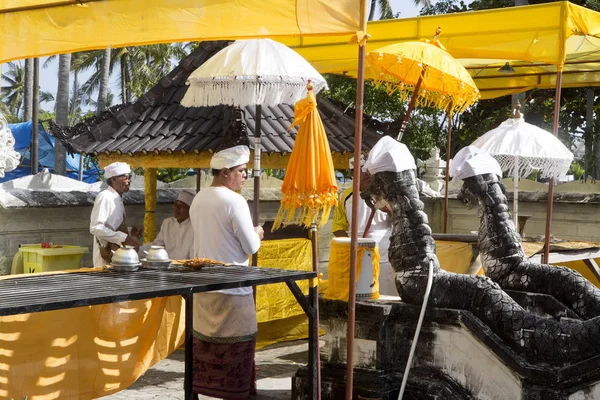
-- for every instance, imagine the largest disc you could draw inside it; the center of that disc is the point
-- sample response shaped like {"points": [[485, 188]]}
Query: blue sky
{"points": [[48, 75]]}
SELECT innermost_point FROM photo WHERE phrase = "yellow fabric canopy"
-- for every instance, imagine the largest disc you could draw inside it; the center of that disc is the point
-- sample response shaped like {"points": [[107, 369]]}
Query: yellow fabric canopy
{"points": [[536, 40], [33, 28]]}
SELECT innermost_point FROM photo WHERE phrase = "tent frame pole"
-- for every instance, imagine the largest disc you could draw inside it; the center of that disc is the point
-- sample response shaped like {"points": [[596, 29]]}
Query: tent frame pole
{"points": [[360, 87], [546, 260]]}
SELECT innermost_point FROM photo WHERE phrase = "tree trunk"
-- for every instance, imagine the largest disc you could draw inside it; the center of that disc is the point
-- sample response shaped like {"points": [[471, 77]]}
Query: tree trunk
{"points": [[104, 80], [74, 103], [62, 111], [28, 92], [124, 98], [372, 10]]}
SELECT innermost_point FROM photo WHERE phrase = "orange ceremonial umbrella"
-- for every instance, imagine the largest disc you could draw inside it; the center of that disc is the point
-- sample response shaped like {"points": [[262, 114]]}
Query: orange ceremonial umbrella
{"points": [[309, 188]]}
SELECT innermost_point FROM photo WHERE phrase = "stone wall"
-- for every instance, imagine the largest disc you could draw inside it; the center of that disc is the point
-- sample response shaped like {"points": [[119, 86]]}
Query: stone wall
{"points": [[576, 217]]}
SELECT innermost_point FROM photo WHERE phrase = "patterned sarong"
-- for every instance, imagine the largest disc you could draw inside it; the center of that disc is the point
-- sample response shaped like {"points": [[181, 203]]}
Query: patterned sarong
{"points": [[224, 370]]}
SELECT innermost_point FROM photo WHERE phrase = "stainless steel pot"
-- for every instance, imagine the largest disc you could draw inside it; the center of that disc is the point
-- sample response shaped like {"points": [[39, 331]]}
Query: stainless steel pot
{"points": [[124, 256]]}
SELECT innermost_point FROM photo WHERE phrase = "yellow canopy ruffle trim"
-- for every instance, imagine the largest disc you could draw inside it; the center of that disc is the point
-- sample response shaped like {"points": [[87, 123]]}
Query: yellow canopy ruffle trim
{"points": [[309, 188]]}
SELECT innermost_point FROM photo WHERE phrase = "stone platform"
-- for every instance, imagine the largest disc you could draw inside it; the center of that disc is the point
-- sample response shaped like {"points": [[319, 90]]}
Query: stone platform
{"points": [[457, 356]]}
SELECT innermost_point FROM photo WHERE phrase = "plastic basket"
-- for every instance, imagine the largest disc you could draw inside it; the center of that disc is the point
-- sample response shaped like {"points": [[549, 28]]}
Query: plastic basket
{"points": [[38, 259]]}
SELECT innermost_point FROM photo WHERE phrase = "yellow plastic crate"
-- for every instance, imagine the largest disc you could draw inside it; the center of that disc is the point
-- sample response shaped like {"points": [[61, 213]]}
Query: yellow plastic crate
{"points": [[37, 259]]}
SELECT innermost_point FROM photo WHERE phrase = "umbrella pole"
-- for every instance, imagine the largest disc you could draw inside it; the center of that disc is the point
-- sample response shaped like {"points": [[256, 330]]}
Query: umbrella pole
{"points": [[360, 86], [411, 105], [315, 354], [551, 183], [447, 177], [516, 193], [256, 173]]}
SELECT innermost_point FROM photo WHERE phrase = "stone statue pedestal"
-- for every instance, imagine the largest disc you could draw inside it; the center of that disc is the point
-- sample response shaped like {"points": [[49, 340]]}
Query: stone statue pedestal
{"points": [[435, 169], [457, 357]]}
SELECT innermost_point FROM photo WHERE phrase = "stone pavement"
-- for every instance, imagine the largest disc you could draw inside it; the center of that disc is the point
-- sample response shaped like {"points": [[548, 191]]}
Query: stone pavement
{"points": [[276, 365]]}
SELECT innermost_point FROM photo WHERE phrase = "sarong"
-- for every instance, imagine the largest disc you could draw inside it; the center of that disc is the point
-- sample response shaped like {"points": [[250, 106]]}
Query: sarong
{"points": [[224, 370]]}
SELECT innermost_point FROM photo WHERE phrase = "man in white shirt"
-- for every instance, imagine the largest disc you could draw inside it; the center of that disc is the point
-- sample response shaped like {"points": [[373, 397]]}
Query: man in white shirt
{"points": [[107, 222], [176, 234], [225, 321]]}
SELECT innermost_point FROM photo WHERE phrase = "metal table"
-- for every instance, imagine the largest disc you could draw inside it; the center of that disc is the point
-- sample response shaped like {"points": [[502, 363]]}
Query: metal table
{"points": [[35, 293]]}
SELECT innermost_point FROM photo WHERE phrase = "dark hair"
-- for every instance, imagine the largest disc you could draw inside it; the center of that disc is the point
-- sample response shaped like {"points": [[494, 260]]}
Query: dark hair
{"points": [[215, 172]]}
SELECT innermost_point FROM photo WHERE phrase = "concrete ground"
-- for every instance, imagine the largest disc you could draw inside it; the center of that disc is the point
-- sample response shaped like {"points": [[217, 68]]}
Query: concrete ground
{"points": [[276, 365]]}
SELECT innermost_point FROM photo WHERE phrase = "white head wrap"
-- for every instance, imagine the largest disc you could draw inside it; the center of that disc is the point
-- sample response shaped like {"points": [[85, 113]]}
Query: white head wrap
{"points": [[389, 155], [116, 169], [186, 196], [471, 161], [231, 157], [362, 161]]}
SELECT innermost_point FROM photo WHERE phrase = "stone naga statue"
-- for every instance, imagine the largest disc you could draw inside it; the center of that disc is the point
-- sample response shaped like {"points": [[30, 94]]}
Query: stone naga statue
{"points": [[503, 258], [412, 250]]}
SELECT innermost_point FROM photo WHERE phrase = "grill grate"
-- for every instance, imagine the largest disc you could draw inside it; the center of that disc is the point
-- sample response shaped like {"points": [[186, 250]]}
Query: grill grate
{"points": [[34, 293]]}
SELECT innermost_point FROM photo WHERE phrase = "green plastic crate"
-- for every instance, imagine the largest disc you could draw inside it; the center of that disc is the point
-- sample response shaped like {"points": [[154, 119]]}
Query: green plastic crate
{"points": [[36, 259]]}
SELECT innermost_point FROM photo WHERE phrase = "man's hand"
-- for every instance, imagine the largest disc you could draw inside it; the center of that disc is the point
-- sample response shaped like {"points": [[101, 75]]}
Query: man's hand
{"points": [[130, 241], [137, 232], [259, 231]]}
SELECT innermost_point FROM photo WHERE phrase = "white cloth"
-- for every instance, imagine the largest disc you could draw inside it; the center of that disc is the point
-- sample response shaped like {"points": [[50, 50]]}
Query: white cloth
{"points": [[230, 157], [223, 229], [222, 315], [186, 196], [379, 231], [177, 239], [471, 161], [116, 169], [107, 215], [389, 155]]}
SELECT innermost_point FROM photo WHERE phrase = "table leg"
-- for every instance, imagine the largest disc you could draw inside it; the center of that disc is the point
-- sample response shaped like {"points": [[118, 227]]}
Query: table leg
{"points": [[189, 346], [311, 308]]}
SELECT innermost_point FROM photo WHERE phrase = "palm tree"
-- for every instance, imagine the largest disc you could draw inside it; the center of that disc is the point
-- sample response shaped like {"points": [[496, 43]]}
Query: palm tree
{"points": [[28, 92], [385, 8], [62, 111], [13, 92]]}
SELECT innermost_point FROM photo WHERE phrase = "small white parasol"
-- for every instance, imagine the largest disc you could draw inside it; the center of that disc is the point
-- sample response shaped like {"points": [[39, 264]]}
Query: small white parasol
{"points": [[522, 148], [252, 72]]}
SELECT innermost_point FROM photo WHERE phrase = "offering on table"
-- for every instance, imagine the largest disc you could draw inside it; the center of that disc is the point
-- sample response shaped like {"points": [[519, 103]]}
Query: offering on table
{"points": [[198, 263]]}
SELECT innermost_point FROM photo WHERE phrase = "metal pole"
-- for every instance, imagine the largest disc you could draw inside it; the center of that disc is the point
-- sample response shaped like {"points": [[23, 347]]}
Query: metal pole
{"points": [[34, 119], [360, 86], [188, 376], [447, 177], [256, 172], [551, 183], [80, 172], [315, 353]]}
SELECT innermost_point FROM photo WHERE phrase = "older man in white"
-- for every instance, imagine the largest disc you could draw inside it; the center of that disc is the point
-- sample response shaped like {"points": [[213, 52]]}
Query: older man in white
{"points": [[107, 222], [176, 234]]}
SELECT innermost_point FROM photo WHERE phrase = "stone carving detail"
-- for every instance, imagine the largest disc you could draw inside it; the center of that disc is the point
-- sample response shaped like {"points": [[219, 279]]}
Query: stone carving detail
{"points": [[412, 250], [505, 262]]}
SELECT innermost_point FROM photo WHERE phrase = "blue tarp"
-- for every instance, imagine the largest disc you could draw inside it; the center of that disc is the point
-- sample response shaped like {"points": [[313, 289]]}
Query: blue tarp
{"points": [[22, 134]]}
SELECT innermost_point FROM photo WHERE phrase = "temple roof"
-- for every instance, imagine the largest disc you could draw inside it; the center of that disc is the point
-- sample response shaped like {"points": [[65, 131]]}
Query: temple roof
{"points": [[156, 123]]}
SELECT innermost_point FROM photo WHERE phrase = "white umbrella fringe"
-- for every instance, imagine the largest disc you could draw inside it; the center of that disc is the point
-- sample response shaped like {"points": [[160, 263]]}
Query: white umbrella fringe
{"points": [[247, 90], [547, 167]]}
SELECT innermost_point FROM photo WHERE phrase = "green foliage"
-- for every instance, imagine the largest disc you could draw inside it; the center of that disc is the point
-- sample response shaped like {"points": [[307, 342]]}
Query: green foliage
{"points": [[576, 169], [171, 174]]}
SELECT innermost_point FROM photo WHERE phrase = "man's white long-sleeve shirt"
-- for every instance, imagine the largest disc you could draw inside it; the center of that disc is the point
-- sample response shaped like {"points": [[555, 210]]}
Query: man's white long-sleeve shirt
{"points": [[223, 229], [177, 239], [107, 215]]}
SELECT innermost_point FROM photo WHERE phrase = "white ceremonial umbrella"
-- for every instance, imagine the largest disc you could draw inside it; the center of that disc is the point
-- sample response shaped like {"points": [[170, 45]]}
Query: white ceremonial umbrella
{"points": [[252, 72], [521, 148]]}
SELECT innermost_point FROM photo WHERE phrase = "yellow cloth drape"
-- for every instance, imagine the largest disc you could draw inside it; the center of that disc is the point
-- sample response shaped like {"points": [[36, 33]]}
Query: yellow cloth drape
{"points": [[150, 204], [28, 29], [338, 279], [309, 188], [86, 352], [280, 317]]}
